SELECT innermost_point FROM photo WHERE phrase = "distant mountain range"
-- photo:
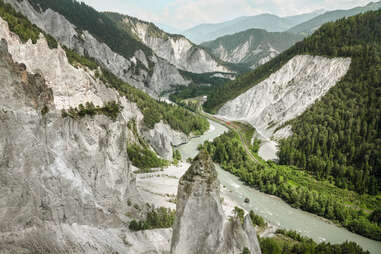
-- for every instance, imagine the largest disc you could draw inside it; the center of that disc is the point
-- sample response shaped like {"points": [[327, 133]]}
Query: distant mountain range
{"points": [[310, 26], [304, 24], [269, 22]]}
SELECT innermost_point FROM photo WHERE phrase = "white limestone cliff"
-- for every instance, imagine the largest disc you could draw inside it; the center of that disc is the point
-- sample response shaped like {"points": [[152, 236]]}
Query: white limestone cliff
{"points": [[63, 176], [162, 76], [286, 94], [176, 49]]}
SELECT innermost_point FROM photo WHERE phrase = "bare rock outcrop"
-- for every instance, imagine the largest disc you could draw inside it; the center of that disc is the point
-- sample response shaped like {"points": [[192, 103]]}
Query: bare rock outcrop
{"points": [[64, 183], [176, 49], [161, 77], [162, 138], [201, 225], [57, 169], [285, 95]]}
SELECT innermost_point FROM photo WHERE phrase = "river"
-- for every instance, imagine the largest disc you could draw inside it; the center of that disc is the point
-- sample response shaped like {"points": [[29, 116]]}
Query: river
{"points": [[273, 209]]}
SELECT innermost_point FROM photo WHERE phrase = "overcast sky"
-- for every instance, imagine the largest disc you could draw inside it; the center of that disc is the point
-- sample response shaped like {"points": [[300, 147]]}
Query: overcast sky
{"points": [[184, 14]]}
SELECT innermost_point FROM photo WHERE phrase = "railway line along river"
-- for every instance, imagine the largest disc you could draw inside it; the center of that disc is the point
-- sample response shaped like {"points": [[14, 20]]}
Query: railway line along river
{"points": [[273, 209]]}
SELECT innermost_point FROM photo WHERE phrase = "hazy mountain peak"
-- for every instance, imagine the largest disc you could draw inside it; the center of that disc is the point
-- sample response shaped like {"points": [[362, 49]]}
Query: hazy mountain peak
{"points": [[267, 21]]}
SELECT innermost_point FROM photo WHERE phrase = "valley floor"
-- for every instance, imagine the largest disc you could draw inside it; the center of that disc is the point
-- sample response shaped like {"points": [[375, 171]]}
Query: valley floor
{"points": [[160, 188]]}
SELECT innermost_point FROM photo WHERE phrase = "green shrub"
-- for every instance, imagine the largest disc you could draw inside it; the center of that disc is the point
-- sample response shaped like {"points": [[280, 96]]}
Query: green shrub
{"points": [[246, 251], [156, 218], [239, 214], [176, 156], [144, 158], [110, 109], [257, 220], [21, 26]]}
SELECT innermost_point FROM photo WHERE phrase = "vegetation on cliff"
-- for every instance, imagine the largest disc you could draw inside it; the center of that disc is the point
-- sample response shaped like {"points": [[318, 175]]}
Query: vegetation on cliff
{"points": [[86, 18], [144, 158], [156, 218], [178, 118], [110, 109], [22, 27]]}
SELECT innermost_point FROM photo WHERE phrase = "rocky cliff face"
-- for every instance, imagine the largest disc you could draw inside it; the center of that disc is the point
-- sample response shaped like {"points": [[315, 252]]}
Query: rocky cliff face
{"points": [[253, 47], [162, 138], [286, 94], [149, 73], [201, 225], [176, 49], [64, 182], [53, 169]]}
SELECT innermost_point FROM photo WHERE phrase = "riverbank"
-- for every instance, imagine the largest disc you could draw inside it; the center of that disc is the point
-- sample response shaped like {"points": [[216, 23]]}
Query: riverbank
{"points": [[160, 189], [278, 212]]}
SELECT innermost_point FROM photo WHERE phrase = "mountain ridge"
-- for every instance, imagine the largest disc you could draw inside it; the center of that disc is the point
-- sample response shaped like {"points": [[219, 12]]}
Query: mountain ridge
{"points": [[208, 32], [253, 47], [176, 49], [309, 26]]}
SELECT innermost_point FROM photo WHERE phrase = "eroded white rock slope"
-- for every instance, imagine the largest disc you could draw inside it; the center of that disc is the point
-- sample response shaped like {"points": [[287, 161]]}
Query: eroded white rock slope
{"points": [[287, 93], [65, 183], [160, 79], [246, 53], [176, 49]]}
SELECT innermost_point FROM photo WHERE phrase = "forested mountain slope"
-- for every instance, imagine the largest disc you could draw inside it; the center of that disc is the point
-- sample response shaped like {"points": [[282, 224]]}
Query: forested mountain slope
{"points": [[91, 33], [272, 23], [252, 47], [176, 49], [310, 26], [338, 138]]}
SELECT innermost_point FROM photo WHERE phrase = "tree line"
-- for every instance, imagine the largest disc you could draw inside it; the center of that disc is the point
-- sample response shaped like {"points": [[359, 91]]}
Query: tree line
{"points": [[268, 177], [339, 137]]}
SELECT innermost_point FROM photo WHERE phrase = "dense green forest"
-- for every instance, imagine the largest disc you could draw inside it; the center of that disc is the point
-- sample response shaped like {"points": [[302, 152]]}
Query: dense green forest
{"points": [[178, 118], [339, 138], [297, 187]]}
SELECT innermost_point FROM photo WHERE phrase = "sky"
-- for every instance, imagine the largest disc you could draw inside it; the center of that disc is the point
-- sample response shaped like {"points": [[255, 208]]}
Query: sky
{"points": [[184, 14]]}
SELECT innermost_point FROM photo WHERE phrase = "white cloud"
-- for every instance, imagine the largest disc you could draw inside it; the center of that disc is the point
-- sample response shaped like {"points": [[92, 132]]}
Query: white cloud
{"points": [[188, 13]]}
